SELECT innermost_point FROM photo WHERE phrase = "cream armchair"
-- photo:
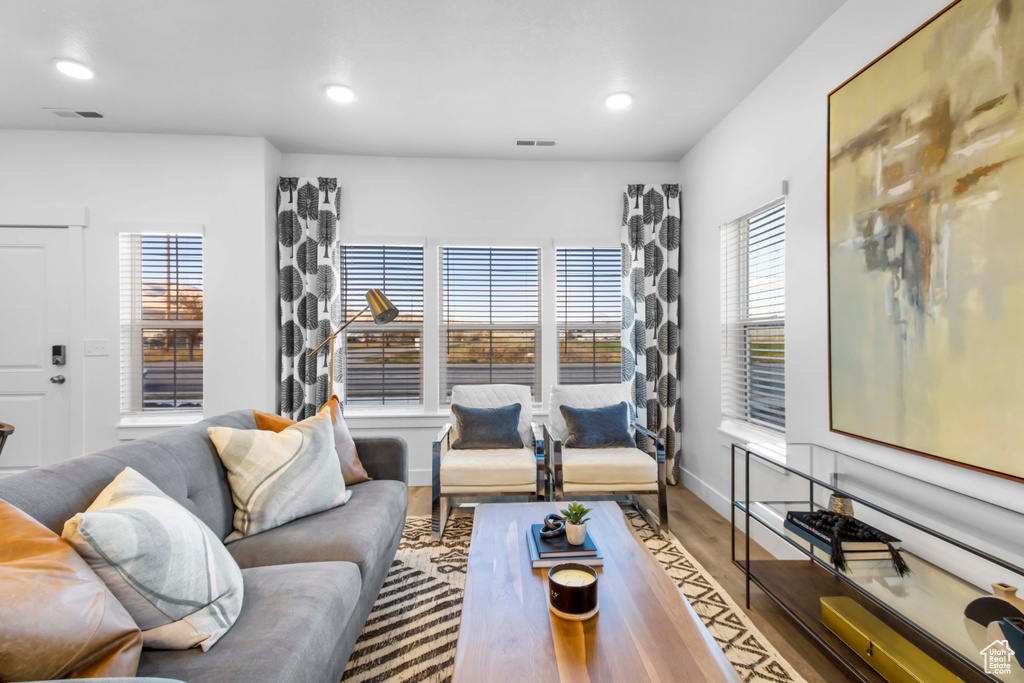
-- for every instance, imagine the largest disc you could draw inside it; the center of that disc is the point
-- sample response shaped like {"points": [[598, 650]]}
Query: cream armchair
{"points": [[486, 475], [623, 474]]}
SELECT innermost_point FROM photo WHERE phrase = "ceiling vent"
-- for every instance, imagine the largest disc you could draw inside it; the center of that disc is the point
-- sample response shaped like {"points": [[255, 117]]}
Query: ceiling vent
{"points": [[527, 142], [73, 114]]}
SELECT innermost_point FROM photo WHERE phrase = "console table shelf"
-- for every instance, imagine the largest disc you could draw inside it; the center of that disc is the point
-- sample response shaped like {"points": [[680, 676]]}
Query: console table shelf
{"points": [[926, 607]]}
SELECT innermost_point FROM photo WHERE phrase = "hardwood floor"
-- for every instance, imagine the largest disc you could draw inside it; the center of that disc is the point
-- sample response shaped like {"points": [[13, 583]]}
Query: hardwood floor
{"points": [[706, 535]]}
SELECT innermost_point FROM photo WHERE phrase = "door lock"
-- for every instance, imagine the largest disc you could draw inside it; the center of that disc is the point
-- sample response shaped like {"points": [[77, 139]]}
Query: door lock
{"points": [[58, 379], [60, 355]]}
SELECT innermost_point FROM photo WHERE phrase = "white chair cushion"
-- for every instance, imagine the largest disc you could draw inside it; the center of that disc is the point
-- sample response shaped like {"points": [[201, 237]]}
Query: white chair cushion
{"points": [[491, 467], [610, 466], [584, 396], [496, 396]]}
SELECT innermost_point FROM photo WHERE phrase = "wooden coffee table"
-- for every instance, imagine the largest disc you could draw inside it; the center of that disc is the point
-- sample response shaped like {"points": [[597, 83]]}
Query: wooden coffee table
{"points": [[645, 629]]}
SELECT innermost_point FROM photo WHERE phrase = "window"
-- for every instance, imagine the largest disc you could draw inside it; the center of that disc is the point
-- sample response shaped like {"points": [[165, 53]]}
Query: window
{"points": [[161, 322], [383, 363], [490, 317], [753, 318], [589, 316]]}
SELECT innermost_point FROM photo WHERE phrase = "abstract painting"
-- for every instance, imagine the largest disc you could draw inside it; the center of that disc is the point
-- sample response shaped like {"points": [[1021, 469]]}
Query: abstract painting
{"points": [[926, 242]]}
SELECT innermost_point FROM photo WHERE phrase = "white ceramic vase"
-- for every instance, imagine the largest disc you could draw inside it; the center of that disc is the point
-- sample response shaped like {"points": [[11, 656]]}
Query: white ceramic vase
{"points": [[575, 533]]}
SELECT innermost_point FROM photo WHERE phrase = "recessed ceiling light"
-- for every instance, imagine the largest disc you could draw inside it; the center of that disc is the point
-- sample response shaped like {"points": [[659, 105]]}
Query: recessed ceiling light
{"points": [[618, 100], [73, 69], [340, 93]]}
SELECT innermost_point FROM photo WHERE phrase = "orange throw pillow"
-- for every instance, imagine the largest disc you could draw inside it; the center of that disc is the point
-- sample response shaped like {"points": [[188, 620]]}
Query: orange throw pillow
{"points": [[57, 618], [351, 467]]}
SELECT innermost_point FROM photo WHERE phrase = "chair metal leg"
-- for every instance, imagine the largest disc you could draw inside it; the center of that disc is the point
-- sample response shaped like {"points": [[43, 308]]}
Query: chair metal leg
{"points": [[438, 506], [662, 495], [438, 516]]}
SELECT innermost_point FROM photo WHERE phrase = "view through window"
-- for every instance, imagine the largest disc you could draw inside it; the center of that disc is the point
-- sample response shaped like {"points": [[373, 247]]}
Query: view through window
{"points": [[161, 322], [754, 318], [383, 363], [490, 317], [589, 296]]}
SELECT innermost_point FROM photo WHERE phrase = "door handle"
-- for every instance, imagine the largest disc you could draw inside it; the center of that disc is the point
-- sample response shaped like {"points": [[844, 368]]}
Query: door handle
{"points": [[58, 379]]}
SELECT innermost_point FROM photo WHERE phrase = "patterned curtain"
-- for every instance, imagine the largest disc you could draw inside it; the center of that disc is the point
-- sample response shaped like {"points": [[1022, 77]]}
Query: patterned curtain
{"points": [[309, 280], [651, 358]]}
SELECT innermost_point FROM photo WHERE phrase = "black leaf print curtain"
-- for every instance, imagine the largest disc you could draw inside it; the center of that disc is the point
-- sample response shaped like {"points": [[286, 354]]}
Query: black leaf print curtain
{"points": [[309, 283], [651, 357]]}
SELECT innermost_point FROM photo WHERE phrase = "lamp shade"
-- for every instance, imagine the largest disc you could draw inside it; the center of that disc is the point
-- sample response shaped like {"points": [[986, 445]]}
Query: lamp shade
{"points": [[382, 309]]}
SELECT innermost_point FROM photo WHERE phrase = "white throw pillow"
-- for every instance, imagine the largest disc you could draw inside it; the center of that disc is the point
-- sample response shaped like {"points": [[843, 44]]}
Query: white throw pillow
{"points": [[165, 566], [278, 477]]}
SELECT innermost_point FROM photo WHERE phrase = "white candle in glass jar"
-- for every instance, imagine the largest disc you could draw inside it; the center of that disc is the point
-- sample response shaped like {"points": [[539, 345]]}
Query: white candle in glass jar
{"points": [[573, 577]]}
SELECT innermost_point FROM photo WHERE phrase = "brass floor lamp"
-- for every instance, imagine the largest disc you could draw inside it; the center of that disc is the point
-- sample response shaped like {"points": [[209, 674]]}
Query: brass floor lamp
{"points": [[383, 312]]}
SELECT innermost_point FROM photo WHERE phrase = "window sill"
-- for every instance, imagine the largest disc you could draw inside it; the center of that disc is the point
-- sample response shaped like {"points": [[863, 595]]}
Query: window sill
{"points": [[768, 443], [133, 427]]}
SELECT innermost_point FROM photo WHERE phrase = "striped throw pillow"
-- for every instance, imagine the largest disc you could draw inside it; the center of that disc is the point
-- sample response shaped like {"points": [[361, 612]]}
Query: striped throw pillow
{"points": [[165, 566], [275, 478]]}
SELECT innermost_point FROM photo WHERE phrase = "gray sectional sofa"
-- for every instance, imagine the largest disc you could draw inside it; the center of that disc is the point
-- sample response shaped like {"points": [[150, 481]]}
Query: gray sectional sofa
{"points": [[309, 585]]}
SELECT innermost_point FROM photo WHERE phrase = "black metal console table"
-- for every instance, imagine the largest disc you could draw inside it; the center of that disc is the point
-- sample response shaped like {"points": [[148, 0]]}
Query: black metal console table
{"points": [[926, 607]]}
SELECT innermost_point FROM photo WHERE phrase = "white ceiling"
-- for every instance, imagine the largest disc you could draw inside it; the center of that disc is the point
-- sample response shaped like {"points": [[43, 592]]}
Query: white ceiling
{"points": [[439, 78]]}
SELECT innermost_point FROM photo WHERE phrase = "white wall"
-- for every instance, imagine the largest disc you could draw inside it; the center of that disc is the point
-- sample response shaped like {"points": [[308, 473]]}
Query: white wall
{"points": [[439, 202], [777, 133], [229, 186], [148, 180]]}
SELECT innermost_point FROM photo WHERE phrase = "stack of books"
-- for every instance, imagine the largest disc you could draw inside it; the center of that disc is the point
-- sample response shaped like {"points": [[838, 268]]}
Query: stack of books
{"points": [[865, 554], [547, 552]]}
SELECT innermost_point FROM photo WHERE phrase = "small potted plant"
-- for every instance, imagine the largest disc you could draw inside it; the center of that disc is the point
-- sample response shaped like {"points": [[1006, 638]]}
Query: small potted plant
{"points": [[576, 523]]}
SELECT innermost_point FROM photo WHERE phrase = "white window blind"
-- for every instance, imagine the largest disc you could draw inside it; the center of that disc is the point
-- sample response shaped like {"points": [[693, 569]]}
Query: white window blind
{"points": [[753, 318], [490, 317], [383, 363], [161, 322], [589, 307]]}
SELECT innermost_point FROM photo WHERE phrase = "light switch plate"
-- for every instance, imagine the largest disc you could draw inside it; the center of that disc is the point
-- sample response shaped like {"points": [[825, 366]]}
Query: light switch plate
{"points": [[97, 347]]}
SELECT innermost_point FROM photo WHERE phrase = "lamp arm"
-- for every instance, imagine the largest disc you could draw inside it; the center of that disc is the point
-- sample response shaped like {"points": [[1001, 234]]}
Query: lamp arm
{"points": [[339, 330]]}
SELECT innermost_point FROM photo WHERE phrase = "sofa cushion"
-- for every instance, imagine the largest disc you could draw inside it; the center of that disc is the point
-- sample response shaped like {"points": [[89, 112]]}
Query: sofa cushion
{"points": [[489, 467], [164, 565], [57, 618], [276, 477], [356, 532], [608, 466], [289, 629]]}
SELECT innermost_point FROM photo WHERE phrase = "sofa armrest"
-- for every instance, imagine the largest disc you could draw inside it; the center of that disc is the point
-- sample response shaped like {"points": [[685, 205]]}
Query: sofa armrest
{"points": [[384, 457]]}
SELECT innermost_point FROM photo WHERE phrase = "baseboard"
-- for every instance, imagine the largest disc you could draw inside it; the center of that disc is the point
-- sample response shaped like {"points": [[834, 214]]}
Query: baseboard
{"points": [[718, 501], [419, 477], [721, 504]]}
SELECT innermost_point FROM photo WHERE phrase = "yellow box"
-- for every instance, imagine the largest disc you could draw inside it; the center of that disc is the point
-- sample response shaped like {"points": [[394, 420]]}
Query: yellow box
{"points": [[895, 658]]}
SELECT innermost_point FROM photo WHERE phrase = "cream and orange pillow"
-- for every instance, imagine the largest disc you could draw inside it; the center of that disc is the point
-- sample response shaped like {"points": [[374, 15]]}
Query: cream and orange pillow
{"points": [[351, 467], [276, 477]]}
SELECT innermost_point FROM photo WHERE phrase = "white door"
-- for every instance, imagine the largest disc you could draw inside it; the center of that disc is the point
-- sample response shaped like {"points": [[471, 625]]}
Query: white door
{"points": [[35, 293]]}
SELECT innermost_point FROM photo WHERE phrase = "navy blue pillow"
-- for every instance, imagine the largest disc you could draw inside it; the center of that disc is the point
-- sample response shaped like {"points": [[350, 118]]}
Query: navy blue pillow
{"points": [[487, 427], [605, 427]]}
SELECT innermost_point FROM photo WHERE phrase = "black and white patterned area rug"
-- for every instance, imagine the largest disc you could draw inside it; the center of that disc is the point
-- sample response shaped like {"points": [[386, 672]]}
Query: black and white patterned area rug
{"points": [[414, 626]]}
